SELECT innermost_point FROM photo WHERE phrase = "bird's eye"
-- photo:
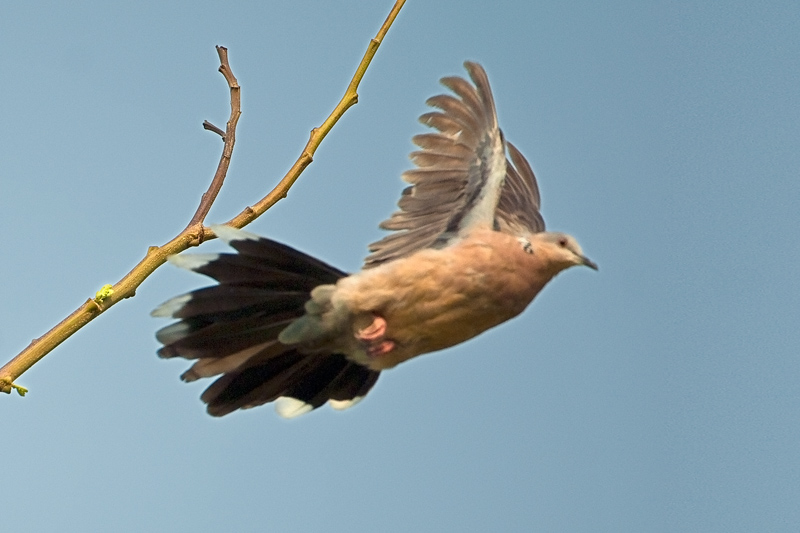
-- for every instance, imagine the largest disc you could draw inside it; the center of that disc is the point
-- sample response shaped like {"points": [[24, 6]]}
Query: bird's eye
{"points": [[562, 243]]}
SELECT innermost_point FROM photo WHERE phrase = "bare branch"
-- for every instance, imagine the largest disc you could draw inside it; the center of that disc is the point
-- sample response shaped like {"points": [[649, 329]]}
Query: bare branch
{"points": [[229, 136], [155, 257], [349, 99], [195, 232]]}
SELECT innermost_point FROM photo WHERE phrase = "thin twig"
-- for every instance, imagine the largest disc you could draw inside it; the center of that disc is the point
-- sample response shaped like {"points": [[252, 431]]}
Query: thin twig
{"points": [[230, 139], [155, 257], [210, 127], [349, 99], [195, 232]]}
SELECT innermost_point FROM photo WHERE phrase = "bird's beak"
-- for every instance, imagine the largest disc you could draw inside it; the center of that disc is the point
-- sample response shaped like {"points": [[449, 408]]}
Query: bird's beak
{"points": [[588, 262]]}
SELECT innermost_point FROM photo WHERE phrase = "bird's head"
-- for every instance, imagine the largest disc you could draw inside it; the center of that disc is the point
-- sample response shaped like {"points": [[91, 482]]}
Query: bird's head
{"points": [[560, 250]]}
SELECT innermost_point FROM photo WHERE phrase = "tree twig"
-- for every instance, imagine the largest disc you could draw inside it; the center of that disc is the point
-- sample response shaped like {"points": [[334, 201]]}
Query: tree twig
{"points": [[210, 127], [349, 99], [195, 232], [155, 257], [229, 136]]}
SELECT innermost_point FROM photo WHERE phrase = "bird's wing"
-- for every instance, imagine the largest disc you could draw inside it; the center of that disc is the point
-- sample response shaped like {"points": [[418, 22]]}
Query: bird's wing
{"points": [[518, 210], [459, 176]]}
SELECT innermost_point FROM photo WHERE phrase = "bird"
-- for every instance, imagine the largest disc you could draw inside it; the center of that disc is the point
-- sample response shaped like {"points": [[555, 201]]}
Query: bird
{"points": [[468, 252]]}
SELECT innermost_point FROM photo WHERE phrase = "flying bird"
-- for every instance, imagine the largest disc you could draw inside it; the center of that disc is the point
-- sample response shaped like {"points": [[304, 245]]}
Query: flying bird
{"points": [[469, 251]]}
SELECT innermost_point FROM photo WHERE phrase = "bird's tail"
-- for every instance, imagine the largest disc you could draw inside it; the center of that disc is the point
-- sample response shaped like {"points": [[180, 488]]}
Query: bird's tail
{"points": [[232, 329]]}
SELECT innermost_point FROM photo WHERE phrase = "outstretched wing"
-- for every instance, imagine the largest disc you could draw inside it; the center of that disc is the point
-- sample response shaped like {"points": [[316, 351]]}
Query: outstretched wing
{"points": [[459, 173], [518, 209], [462, 179]]}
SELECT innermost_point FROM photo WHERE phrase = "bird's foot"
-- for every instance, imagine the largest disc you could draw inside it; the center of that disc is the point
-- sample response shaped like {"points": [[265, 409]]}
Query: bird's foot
{"points": [[373, 337], [379, 348], [375, 331]]}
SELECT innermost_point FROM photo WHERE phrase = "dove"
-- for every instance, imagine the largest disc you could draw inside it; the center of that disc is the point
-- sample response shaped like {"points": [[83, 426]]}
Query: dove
{"points": [[468, 251]]}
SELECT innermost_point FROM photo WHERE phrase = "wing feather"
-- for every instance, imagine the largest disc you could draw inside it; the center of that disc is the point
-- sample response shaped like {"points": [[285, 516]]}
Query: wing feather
{"points": [[459, 175], [462, 178], [518, 209]]}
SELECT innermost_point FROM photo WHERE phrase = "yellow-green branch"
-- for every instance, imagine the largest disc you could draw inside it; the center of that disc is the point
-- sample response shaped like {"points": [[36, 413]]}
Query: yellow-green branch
{"points": [[195, 232]]}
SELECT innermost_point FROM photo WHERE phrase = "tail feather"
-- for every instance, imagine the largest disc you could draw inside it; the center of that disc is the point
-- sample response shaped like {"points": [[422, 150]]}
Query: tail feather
{"points": [[219, 339], [350, 385], [232, 329], [355, 384], [207, 367], [310, 380], [282, 257], [226, 302], [248, 271], [255, 384], [318, 382]]}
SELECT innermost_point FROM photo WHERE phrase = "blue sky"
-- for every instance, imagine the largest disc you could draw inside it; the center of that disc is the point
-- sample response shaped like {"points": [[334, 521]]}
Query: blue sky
{"points": [[658, 394]]}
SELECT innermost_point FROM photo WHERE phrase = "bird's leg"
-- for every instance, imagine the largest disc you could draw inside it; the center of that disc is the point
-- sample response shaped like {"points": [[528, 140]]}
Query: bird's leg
{"points": [[373, 337]]}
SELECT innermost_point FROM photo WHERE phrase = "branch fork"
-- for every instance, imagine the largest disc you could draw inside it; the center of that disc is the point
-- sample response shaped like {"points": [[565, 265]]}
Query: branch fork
{"points": [[195, 232]]}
